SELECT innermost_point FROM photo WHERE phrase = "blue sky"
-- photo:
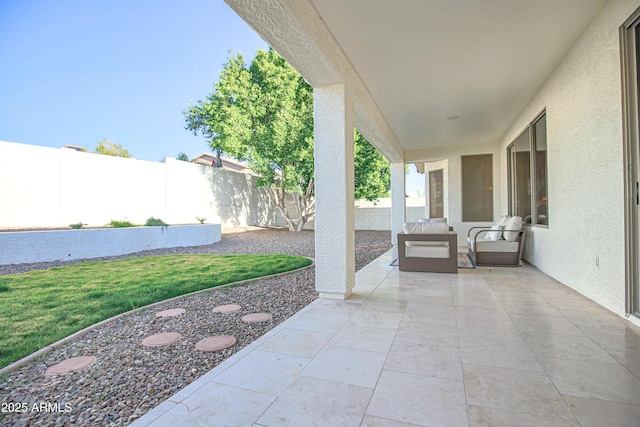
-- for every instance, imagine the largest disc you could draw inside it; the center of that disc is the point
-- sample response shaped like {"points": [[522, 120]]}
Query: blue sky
{"points": [[76, 72]]}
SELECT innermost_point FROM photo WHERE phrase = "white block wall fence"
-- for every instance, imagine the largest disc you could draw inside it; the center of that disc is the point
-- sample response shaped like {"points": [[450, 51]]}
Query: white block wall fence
{"points": [[65, 245], [55, 187], [377, 215]]}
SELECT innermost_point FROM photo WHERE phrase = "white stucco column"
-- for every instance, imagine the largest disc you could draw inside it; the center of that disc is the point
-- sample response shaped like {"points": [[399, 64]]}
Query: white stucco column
{"points": [[334, 181], [398, 202]]}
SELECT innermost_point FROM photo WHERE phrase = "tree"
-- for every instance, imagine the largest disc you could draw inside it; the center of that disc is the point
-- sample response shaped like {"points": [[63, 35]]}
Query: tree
{"points": [[214, 117], [183, 157], [110, 148], [263, 115], [372, 170]]}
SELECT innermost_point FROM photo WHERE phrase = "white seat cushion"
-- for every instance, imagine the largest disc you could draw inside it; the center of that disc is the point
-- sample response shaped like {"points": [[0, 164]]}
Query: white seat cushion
{"points": [[488, 245], [421, 251], [423, 243]]}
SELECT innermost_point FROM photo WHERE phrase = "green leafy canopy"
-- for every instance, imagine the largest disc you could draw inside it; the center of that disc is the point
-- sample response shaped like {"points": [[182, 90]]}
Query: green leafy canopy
{"points": [[263, 115]]}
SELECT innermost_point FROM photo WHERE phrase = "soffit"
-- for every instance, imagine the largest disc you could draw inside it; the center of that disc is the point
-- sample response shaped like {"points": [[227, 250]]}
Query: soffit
{"points": [[424, 61]]}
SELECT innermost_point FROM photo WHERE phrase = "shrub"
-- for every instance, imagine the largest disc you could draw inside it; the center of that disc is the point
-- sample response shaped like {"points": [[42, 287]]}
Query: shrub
{"points": [[120, 224], [77, 225], [201, 219], [156, 222]]}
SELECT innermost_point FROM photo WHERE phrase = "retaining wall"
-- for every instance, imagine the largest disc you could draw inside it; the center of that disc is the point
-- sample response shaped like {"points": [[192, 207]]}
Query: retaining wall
{"points": [[63, 245]]}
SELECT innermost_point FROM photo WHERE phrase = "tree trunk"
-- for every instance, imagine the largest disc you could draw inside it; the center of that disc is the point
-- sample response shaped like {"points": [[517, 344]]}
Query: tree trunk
{"points": [[304, 206]]}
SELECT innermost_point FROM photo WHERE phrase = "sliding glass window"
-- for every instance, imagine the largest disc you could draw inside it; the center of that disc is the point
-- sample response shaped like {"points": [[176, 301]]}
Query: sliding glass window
{"points": [[528, 174]]}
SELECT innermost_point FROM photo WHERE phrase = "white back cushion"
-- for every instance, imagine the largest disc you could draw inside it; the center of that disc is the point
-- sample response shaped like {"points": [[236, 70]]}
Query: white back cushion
{"points": [[426, 228], [503, 220], [515, 224], [432, 219]]}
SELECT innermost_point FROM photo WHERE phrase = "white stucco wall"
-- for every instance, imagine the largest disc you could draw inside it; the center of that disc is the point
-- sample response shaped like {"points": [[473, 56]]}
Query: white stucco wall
{"points": [[65, 245], [449, 159], [50, 187], [583, 102]]}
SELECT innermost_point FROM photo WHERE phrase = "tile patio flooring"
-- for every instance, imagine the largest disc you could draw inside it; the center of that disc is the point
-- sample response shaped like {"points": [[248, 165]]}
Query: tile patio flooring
{"points": [[485, 347]]}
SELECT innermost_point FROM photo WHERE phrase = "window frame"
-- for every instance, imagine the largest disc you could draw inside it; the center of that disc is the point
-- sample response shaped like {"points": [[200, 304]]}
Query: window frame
{"points": [[533, 160]]}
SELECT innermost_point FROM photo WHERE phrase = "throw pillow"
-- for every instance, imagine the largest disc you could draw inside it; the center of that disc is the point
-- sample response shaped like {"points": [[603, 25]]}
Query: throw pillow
{"points": [[495, 235], [514, 225]]}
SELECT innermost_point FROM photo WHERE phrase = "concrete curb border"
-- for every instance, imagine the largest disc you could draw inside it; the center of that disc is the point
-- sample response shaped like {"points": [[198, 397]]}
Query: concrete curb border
{"points": [[39, 353]]}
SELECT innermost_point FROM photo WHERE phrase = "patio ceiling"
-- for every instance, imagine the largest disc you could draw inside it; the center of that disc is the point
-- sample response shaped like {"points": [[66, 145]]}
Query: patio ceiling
{"points": [[434, 73]]}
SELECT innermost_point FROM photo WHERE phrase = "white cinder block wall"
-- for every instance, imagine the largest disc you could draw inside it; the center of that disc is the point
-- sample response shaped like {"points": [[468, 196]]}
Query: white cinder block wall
{"points": [[377, 215], [66, 245], [55, 187], [583, 101]]}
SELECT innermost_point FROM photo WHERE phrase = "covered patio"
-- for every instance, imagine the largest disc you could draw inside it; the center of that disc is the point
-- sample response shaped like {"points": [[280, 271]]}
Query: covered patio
{"points": [[518, 108], [485, 347], [533, 106]]}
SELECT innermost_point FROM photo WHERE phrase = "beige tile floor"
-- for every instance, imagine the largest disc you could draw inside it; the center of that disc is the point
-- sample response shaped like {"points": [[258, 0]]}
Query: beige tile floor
{"points": [[485, 347]]}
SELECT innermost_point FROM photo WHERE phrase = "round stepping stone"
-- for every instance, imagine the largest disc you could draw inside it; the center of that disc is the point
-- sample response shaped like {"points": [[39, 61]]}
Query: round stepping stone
{"points": [[216, 343], [159, 340], [171, 312], [228, 308], [256, 317], [71, 364]]}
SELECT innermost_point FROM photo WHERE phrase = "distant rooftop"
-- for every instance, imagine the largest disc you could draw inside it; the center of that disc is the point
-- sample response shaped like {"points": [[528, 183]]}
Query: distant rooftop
{"points": [[228, 164], [75, 147]]}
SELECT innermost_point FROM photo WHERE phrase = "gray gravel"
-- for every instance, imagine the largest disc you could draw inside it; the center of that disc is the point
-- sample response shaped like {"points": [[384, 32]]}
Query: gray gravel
{"points": [[129, 379]]}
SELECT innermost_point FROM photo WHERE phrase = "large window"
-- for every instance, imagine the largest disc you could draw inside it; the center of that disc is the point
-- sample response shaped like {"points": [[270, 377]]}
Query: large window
{"points": [[528, 173], [477, 188]]}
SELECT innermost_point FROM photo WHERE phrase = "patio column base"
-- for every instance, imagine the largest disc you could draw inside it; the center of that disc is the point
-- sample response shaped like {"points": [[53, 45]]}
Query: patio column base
{"points": [[394, 253], [331, 295]]}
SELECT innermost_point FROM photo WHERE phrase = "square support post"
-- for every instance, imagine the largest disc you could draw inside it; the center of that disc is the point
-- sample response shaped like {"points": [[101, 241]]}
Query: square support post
{"points": [[334, 192], [398, 203]]}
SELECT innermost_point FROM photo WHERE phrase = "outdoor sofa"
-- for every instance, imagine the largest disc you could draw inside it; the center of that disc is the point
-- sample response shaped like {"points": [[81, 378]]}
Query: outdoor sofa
{"points": [[428, 247]]}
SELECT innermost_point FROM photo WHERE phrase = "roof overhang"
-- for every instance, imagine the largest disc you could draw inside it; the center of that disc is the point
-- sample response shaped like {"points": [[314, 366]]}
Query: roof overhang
{"points": [[425, 74]]}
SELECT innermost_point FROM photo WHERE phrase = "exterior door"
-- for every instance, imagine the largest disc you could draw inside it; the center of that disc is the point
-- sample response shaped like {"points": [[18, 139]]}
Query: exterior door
{"points": [[436, 194]]}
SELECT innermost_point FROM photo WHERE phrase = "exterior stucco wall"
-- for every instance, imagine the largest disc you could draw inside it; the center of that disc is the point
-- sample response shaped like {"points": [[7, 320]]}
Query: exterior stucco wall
{"points": [[48, 187], [583, 102], [449, 159], [65, 245]]}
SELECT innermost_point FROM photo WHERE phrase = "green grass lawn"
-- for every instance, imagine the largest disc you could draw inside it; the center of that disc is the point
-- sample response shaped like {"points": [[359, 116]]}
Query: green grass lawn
{"points": [[40, 307]]}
